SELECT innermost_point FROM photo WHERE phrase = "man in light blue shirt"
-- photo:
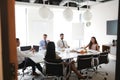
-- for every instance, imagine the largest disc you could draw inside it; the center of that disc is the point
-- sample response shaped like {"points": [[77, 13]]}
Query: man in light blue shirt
{"points": [[43, 43]]}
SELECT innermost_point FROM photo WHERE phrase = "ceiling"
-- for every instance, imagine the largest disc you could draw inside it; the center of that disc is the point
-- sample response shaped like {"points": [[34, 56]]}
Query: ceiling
{"points": [[72, 3]]}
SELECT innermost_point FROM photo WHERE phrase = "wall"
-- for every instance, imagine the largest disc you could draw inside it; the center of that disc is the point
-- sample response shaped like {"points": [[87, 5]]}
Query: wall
{"points": [[21, 23], [37, 26], [100, 14]]}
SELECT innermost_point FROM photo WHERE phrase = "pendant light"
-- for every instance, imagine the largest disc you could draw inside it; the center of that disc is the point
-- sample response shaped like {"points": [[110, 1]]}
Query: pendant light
{"points": [[45, 13], [68, 13], [87, 15]]}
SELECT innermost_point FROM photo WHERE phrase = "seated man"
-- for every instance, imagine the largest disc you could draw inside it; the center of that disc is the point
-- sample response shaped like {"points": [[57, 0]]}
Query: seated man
{"points": [[24, 61], [44, 42], [61, 44]]}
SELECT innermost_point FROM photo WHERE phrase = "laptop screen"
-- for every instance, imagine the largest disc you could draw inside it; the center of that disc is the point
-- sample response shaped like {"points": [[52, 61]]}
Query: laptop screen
{"points": [[36, 48]]}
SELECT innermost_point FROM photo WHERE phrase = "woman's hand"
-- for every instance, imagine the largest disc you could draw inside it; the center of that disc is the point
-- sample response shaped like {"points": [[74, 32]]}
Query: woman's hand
{"points": [[32, 49]]}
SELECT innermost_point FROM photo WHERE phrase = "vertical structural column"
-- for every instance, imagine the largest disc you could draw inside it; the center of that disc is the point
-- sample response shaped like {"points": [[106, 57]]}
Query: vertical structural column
{"points": [[1, 70], [8, 39], [117, 75]]}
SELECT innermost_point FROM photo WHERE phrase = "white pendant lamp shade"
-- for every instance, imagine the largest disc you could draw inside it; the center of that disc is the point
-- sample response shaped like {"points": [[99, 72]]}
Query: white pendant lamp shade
{"points": [[88, 24], [68, 14], [87, 15], [51, 15], [45, 13]]}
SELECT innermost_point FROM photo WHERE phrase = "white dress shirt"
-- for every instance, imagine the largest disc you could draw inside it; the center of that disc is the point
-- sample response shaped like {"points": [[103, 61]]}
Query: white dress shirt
{"points": [[22, 54], [62, 44]]}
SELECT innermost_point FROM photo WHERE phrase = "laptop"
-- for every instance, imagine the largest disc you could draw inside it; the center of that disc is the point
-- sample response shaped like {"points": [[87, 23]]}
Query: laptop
{"points": [[36, 47], [25, 48]]}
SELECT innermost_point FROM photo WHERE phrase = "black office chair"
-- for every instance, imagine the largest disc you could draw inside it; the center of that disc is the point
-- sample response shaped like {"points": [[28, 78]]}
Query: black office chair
{"points": [[95, 63], [102, 59], [55, 70], [84, 64], [24, 48], [23, 68]]}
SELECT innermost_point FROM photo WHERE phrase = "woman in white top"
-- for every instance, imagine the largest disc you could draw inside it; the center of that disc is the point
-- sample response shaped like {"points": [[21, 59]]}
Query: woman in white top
{"points": [[93, 44]]}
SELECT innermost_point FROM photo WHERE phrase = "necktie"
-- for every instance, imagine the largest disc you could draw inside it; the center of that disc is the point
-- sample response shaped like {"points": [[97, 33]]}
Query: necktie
{"points": [[63, 43], [45, 43]]}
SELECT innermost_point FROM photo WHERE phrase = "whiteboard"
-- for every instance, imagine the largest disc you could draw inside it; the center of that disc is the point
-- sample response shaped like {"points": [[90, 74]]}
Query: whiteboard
{"points": [[77, 31]]}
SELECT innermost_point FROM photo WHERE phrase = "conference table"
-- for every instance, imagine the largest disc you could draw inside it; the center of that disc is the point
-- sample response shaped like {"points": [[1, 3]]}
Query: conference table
{"points": [[39, 56]]}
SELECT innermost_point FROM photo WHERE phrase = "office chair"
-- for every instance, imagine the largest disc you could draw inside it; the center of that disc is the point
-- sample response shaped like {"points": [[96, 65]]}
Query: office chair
{"points": [[84, 64], [102, 59], [23, 68], [95, 63], [24, 48], [55, 70]]}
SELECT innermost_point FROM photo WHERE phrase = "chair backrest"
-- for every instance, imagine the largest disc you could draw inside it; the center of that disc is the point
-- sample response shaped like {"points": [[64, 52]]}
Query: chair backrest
{"points": [[24, 48], [54, 68], [84, 61], [36, 47], [103, 58]]}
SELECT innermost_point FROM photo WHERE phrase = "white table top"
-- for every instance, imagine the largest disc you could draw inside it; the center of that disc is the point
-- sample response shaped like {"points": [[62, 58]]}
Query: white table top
{"points": [[39, 56]]}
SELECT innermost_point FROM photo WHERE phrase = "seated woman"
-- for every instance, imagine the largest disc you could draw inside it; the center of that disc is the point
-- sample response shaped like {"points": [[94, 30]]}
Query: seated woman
{"points": [[51, 55], [93, 44]]}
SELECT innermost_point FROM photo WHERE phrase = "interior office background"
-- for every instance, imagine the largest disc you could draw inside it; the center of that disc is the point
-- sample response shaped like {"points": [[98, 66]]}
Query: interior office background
{"points": [[0, 51], [30, 27]]}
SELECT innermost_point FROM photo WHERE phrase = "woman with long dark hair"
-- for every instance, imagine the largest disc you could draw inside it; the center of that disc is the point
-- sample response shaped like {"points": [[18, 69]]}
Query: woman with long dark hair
{"points": [[93, 44], [51, 55]]}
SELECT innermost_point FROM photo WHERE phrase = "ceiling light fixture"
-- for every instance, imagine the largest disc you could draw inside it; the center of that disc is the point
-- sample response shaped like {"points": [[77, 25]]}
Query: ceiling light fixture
{"points": [[45, 13], [87, 15], [68, 13]]}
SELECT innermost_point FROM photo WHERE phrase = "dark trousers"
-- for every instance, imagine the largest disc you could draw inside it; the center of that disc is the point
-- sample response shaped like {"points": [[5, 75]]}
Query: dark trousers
{"points": [[28, 62]]}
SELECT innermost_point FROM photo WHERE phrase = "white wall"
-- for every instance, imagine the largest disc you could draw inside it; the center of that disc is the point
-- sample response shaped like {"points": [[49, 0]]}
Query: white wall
{"points": [[37, 26], [20, 23], [100, 14]]}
